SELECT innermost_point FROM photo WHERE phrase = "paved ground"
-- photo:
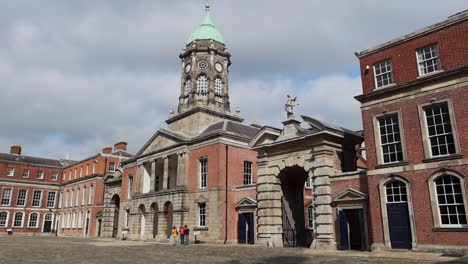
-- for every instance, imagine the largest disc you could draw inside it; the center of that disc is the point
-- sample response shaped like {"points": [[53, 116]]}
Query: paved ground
{"points": [[66, 250]]}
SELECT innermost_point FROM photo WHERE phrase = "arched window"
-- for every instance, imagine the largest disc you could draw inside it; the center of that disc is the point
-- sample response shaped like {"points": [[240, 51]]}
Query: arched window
{"points": [[3, 219], [202, 86], [218, 89], [80, 220], [396, 192], [18, 220], [33, 220], [188, 86], [450, 200]]}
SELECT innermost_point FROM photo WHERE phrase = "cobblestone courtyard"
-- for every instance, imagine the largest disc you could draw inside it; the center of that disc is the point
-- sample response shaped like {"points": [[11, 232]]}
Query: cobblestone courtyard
{"points": [[24, 249]]}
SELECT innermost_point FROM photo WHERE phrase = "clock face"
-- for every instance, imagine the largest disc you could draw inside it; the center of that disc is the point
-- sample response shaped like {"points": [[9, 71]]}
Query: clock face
{"points": [[188, 67], [203, 65], [219, 67]]}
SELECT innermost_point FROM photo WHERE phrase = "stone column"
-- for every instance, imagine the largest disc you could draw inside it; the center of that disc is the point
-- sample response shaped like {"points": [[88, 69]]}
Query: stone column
{"points": [[166, 173], [321, 172], [270, 229], [181, 169], [153, 175], [139, 178]]}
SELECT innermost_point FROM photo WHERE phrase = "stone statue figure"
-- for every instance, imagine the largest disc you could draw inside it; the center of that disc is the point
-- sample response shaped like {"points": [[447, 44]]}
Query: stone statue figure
{"points": [[289, 107]]}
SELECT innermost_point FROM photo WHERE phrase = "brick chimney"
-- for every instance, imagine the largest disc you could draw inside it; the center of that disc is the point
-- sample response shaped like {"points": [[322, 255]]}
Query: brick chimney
{"points": [[121, 145], [15, 149], [107, 150]]}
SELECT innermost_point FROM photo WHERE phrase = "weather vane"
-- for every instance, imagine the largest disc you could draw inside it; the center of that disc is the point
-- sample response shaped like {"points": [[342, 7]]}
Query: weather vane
{"points": [[207, 5]]}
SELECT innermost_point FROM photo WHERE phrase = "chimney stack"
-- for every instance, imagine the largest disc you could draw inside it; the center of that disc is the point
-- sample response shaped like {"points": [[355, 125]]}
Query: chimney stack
{"points": [[120, 145], [15, 149], [107, 150]]}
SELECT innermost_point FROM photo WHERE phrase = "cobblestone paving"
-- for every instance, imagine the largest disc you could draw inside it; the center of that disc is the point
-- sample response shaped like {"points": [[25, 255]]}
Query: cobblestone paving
{"points": [[23, 249]]}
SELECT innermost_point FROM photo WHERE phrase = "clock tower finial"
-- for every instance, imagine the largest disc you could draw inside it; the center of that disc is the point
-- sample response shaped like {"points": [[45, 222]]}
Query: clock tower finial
{"points": [[207, 6]]}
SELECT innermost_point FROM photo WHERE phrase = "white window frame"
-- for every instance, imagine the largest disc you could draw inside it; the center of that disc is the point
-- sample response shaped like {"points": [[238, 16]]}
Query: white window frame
{"points": [[94, 167], [202, 217], [87, 169], [83, 196], [34, 198], [51, 202], [24, 199], [130, 186], [378, 138], [310, 217], [73, 223], [72, 194], [91, 195], [26, 173], [76, 173], [388, 73], [112, 166], [77, 198], [55, 176], [6, 191], [308, 183], [66, 199], [70, 175], [81, 171], [22, 220], [436, 215], [40, 175], [5, 220], [425, 132], [248, 172], [37, 220], [422, 68], [203, 173], [80, 220], [10, 172], [60, 200]]}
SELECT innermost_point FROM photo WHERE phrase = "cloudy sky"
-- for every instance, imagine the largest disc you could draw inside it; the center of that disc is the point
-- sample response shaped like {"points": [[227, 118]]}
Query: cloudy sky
{"points": [[78, 75]]}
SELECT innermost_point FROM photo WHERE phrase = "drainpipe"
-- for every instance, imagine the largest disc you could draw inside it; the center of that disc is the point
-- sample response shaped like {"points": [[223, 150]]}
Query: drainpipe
{"points": [[226, 219]]}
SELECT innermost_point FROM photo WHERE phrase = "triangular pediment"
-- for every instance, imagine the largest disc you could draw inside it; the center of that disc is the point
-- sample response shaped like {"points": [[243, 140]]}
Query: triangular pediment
{"points": [[163, 138], [264, 136], [246, 202], [350, 195]]}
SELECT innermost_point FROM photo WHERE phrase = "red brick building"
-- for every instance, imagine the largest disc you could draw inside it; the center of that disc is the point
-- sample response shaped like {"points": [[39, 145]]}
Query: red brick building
{"points": [[29, 188], [414, 105], [82, 191]]}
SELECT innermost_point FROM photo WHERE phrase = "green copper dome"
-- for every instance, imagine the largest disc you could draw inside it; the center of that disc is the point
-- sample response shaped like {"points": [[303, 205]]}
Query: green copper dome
{"points": [[206, 31]]}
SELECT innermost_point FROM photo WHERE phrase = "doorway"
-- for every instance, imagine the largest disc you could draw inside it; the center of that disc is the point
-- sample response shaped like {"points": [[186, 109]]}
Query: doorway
{"points": [[352, 229], [154, 211], [398, 215], [116, 203], [47, 223], [246, 228], [168, 214]]}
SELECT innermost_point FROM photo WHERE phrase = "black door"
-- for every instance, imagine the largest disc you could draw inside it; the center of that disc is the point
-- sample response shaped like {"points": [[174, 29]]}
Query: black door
{"points": [[344, 233], [399, 225], [47, 226], [250, 225], [241, 229]]}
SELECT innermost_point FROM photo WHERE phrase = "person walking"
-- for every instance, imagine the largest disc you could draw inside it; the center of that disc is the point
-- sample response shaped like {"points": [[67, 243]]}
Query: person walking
{"points": [[186, 235], [182, 233], [174, 235]]}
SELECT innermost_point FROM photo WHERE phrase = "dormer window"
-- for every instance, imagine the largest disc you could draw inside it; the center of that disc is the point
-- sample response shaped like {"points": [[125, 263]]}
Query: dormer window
{"points": [[383, 72], [428, 59]]}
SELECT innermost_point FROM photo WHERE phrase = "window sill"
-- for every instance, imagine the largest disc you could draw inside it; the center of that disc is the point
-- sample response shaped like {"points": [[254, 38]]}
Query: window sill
{"points": [[385, 86], [429, 74], [389, 165], [204, 228], [450, 229], [443, 158], [246, 187]]}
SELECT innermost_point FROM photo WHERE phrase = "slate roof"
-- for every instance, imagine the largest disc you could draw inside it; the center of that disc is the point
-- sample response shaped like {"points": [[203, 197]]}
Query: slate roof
{"points": [[231, 128], [30, 160]]}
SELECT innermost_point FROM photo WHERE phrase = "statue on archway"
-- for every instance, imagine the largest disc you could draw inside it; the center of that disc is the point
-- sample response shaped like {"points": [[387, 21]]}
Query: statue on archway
{"points": [[289, 107]]}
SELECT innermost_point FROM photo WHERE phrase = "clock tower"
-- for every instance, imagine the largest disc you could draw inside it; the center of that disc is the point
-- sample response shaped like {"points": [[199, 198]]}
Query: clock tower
{"points": [[205, 76]]}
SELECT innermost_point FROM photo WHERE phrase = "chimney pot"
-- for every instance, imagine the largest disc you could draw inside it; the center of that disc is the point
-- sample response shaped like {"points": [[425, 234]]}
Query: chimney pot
{"points": [[120, 145], [15, 149], [107, 150]]}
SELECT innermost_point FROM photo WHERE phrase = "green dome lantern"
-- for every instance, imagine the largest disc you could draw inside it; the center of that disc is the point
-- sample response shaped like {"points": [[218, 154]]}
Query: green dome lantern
{"points": [[207, 30]]}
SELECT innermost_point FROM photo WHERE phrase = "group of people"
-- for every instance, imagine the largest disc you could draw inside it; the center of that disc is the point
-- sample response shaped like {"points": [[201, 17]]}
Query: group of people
{"points": [[183, 232]]}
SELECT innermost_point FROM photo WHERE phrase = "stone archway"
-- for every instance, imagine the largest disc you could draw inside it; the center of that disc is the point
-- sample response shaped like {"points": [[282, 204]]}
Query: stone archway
{"points": [[115, 201], [155, 212], [142, 212], [292, 180], [168, 216]]}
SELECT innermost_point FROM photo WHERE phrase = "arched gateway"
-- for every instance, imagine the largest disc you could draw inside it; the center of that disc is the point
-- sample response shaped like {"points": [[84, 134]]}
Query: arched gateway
{"points": [[286, 159]]}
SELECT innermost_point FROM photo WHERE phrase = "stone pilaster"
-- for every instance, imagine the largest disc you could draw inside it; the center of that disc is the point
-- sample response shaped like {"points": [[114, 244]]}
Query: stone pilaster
{"points": [[323, 169], [182, 164], [153, 175]]}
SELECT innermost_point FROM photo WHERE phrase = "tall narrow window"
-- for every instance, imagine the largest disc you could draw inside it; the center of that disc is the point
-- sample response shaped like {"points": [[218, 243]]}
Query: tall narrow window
{"points": [[83, 195], [77, 198], [3, 219], [6, 196], [310, 217], [70, 175], [383, 72], [18, 219], [26, 173], [390, 138], [87, 170], [74, 220], [428, 59], [111, 167], [37, 198], [76, 173], [202, 215], [22, 194], [130, 186], [71, 197], [91, 194], [80, 220], [203, 173], [188, 87], [202, 86], [94, 167], [33, 220], [308, 183], [247, 172], [66, 199], [55, 176], [218, 90], [60, 200], [450, 200], [40, 175], [51, 199], [439, 129], [127, 218], [81, 171], [69, 219], [11, 172]]}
